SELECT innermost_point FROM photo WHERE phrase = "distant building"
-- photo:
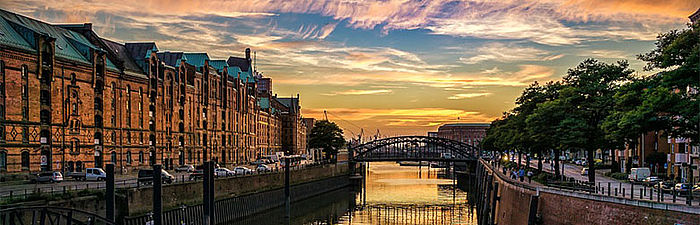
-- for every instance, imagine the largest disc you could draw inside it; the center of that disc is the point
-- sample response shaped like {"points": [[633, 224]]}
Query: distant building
{"points": [[293, 127], [470, 133]]}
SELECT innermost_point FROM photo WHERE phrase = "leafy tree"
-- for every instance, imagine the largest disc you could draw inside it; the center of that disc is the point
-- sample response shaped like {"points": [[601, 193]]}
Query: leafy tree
{"points": [[674, 99], [630, 117], [327, 136], [588, 100]]}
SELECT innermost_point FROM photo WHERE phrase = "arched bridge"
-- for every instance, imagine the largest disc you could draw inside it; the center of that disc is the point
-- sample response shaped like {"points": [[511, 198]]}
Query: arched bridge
{"points": [[413, 148]]}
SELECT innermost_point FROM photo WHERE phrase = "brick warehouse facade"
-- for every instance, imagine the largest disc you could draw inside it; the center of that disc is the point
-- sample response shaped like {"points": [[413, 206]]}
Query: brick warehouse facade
{"points": [[70, 100]]}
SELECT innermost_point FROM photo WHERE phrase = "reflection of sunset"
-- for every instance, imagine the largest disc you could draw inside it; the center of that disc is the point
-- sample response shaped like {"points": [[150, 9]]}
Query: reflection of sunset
{"points": [[391, 183]]}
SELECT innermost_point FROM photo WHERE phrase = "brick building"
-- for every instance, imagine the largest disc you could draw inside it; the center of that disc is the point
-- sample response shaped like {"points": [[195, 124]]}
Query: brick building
{"points": [[70, 99], [470, 133]]}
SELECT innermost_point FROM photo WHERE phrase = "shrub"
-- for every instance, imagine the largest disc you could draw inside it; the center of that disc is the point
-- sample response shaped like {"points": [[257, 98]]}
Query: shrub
{"points": [[617, 176]]}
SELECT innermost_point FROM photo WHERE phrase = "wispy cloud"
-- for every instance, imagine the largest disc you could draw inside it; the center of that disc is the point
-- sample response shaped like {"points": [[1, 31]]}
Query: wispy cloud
{"points": [[467, 95], [508, 53], [359, 92]]}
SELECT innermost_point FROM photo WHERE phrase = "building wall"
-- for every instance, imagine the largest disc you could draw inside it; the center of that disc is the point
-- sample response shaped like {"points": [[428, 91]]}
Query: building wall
{"points": [[470, 133], [199, 114]]}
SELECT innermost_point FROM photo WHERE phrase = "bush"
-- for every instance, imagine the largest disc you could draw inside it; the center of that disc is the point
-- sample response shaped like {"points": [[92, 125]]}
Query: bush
{"points": [[617, 176]]}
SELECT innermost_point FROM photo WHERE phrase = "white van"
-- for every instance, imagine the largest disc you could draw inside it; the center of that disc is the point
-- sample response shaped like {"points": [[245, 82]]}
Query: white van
{"points": [[638, 174], [96, 174]]}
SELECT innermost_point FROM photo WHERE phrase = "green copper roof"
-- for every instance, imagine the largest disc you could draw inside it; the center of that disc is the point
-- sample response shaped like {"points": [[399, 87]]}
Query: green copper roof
{"points": [[68, 45], [264, 103], [11, 38], [196, 59], [218, 64]]}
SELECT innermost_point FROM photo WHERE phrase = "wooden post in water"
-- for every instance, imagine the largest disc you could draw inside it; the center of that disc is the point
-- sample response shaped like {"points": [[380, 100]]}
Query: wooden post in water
{"points": [[157, 196], [109, 195]]}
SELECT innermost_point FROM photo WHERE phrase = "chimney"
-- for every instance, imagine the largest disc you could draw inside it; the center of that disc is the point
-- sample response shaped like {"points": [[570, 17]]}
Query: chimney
{"points": [[87, 26], [247, 54]]}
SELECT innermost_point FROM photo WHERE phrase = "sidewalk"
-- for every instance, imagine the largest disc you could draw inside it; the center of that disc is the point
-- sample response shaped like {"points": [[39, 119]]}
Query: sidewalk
{"points": [[611, 187]]}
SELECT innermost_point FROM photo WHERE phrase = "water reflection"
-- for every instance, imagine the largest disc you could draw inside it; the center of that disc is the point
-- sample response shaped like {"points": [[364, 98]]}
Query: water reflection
{"points": [[393, 195]]}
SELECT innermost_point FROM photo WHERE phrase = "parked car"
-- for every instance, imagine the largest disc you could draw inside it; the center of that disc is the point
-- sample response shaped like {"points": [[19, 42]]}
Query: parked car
{"points": [[185, 168], [242, 170], [146, 177], [48, 177], [262, 168], [664, 186], [93, 174], [584, 171], [638, 174], [258, 162], [196, 174], [651, 181], [682, 188], [223, 172]]}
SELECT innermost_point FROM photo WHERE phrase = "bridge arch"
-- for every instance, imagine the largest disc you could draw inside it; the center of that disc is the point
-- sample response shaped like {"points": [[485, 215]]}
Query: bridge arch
{"points": [[414, 148]]}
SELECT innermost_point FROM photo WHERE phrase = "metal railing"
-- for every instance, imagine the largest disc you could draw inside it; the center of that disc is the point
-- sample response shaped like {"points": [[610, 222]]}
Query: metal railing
{"points": [[57, 189]]}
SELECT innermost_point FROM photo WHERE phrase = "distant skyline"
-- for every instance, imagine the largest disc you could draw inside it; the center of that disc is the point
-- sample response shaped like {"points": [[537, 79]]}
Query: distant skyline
{"points": [[403, 67]]}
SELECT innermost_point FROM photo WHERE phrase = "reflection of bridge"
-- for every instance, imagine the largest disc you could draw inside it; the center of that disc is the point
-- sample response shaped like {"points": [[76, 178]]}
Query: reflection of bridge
{"points": [[414, 148], [418, 214], [44, 215]]}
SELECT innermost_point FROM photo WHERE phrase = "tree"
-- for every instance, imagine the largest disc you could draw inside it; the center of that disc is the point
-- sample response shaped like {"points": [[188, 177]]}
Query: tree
{"points": [[674, 99], [587, 101], [629, 117], [327, 136]]}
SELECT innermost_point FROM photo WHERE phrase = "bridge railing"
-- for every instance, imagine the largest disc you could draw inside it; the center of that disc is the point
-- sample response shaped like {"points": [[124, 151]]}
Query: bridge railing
{"points": [[45, 215]]}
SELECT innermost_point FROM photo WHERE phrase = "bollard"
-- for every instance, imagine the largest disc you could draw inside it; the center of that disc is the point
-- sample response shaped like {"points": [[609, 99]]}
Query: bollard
{"points": [[608, 188], [641, 194], [651, 193], [632, 191], [674, 195]]}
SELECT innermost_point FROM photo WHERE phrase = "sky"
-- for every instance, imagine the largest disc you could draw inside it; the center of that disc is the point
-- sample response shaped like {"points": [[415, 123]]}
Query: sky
{"points": [[397, 67]]}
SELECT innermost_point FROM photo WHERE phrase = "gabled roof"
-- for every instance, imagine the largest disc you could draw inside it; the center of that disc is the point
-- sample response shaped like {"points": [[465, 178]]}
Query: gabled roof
{"points": [[69, 44], [123, 55], [171, 58], [291, 103], [10, 37], [218, 64], [139, 52], [242, 63], [196, 58]]}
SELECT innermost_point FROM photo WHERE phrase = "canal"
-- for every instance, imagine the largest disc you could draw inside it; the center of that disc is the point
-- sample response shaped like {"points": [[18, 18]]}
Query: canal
{"points": [[393, 195]]}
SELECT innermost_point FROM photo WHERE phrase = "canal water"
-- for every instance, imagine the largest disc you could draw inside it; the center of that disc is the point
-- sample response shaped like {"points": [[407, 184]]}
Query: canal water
{"points": [[393, 195]]}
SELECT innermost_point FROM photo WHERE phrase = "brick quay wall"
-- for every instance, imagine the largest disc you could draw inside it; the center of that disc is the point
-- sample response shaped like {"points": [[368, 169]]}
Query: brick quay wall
{"points": [[500, 200], [138, 201]]}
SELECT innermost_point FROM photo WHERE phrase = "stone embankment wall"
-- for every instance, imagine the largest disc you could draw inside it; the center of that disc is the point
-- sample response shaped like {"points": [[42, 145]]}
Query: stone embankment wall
{"points": [[139, 200], [499, 200]]}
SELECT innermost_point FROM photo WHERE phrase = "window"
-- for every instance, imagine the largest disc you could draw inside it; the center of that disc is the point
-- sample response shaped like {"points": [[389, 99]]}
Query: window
{"points": [[128, 157], [114, 157], [140, 156], [128, 137], [25, 92], [3, 160], [25, 160]]}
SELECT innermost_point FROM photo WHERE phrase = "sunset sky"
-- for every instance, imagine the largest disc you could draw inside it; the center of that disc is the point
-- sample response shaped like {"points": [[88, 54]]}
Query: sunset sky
{"points": [[400, 66]]}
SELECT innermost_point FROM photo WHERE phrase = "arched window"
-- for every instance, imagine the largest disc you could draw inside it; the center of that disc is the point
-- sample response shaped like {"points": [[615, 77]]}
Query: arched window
{"points": [[128, 157], [141, 157], [25, 92], [114, 157], [3, 160], [25, 160], [72, 79], [79, 166], [128, 137]]}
